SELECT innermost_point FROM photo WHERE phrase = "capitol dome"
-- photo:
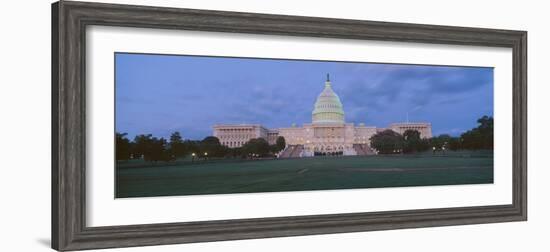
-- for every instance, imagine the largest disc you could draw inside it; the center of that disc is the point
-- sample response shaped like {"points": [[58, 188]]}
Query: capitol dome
{"points": [[328, 108]]}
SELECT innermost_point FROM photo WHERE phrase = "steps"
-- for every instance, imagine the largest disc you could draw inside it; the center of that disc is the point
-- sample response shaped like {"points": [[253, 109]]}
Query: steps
{"points": [[297, 151], [363, 150], [292, 151], [286, 153]]}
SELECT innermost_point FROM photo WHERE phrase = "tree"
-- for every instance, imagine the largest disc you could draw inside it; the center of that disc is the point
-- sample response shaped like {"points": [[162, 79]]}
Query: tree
{"points": [[234, 152], [122, 147], [212, 146], [440, 141], [413, 143], [151, 148], [142, 145], [445, 141], [480, 137], [177, 147], [192, 146], [455, 144], [211, 140], [257, 146], [159, 150], [280, 143], [485, 129], [387, 142]]}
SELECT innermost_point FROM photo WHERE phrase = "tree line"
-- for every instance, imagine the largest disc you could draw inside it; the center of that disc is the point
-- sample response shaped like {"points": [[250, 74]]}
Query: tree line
{"points": [[478, 138], [150, 148]]}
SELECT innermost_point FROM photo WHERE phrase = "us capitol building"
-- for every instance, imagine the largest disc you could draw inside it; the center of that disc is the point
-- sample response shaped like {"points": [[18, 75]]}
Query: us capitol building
{"points": [[327, 134]]}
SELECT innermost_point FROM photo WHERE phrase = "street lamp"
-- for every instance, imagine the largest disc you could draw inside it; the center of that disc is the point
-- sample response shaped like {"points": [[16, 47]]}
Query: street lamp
{"points": [[193, 156]]}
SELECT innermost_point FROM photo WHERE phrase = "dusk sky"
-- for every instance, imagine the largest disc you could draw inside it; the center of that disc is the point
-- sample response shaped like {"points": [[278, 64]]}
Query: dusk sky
{"points": [[160, 94]]}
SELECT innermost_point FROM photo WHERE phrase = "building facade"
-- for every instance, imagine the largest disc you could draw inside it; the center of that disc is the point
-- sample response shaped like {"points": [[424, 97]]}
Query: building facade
{"points": [[425, 129], [327, 134], [234, 136]]}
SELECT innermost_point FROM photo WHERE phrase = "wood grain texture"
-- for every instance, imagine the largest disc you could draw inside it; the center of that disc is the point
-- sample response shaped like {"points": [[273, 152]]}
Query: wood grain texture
{"points": [[69, 20]]}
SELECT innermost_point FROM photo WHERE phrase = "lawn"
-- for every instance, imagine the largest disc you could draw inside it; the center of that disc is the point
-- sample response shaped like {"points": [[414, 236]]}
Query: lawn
{"points": [[140, 179]]}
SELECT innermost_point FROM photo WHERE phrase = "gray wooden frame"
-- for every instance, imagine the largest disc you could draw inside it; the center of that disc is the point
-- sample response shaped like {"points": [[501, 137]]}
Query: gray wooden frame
{"points": [[69, 20]]}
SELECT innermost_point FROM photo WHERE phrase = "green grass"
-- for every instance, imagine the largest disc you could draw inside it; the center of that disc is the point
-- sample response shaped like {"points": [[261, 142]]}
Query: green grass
{"points": [[140, 179]]}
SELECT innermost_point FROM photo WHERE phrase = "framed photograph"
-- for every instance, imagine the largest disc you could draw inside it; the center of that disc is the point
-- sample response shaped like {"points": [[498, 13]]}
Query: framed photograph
{"points": [[178, 125]]}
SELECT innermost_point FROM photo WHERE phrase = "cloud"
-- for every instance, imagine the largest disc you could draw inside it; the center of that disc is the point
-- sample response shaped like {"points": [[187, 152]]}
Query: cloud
{"points": [[383, 88], [159, 94]]}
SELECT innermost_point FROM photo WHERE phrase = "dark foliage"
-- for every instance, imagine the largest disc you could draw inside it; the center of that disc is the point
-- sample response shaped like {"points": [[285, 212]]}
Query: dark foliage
{"points": [[210, 146], [413, 143], [177, 147], [151, 148], [122, 147], [280, 143], [256, 147], [154, 149], [480, 137], [387, 142]]}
